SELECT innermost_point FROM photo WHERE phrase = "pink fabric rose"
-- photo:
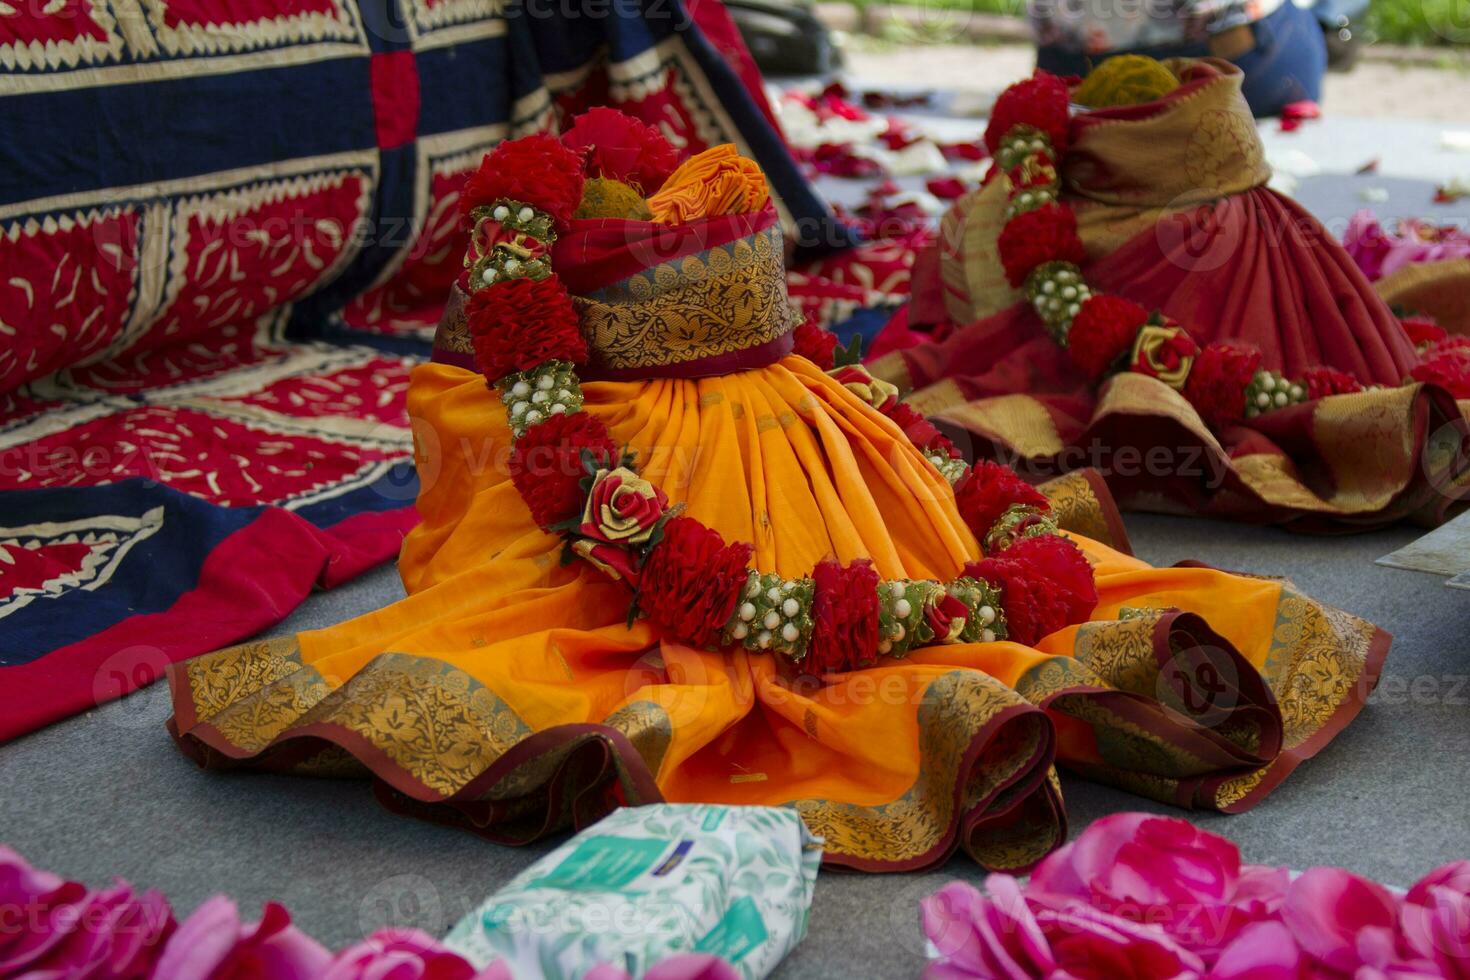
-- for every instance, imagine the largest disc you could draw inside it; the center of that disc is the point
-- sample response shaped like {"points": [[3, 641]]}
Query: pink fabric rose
{"points": [[1434, 919], [213, 944], [398, 954], [1092, 945], [52, 927], [1163, 871], [1379, 252], [991, 935]]}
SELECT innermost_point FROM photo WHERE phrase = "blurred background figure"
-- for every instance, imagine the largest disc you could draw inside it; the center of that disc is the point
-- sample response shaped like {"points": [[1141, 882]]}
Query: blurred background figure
{"points": [[1279, 45]]}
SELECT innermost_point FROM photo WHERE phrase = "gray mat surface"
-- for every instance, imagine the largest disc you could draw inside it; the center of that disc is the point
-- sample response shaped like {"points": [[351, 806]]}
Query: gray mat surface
{"points": [[106, 793]]}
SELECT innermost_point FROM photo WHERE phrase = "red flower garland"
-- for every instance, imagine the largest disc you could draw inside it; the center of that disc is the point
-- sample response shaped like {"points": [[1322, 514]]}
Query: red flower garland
{"points": [[535, 170], [988, 491], [1033, 238], [1323, 381], [619, 147], [546, 464], [1045, 582], [1103, 331], [1217, 382], [1422, 330], [520, 323], [920, 431], [844, 617], [691, 582], [1450, 370], [1041, 102], [815, 344]]}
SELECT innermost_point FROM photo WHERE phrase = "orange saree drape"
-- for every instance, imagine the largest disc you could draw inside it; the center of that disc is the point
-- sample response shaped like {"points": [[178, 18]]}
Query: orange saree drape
{"points": [[509, 694]]}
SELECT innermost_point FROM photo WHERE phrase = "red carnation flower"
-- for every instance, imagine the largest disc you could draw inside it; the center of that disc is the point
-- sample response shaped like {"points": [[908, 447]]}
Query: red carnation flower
{"points": [[1450, 370], [535, 170], [988, 490], [1102, 332], [1422, 330], [815, 344], [1323, 381], [619, 147], [692, 581], [1033, 238], [546, 464], [1040, 102], [920, 431], [520, 323], [844, 617], [1045, 584], [1217, 382]]}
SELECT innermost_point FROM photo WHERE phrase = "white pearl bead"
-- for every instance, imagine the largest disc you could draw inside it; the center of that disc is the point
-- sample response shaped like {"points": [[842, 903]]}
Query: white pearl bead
{"points": [[897, 589], [1074, 309], [774, 594], [902, 608], [740, 632], [520, 389], [789, 633], [489, 276], [526, 214], [1280, 399], [898, 631], [1267, 382], [558, 409], [987, 636], [791, 607], [539, 397], [563, 395], [546, 382], [1263, 399], [1297, 391], [772, 620], [885, 647], [747, 611], [753, 589], [501, 213], [511, 265], [987, 614], [1047, 286], [763, 640], [1069, 292], [532, 417]]}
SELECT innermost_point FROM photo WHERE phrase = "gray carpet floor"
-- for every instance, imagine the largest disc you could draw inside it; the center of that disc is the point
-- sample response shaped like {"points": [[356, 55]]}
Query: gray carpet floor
{"points": [[106, 794]]}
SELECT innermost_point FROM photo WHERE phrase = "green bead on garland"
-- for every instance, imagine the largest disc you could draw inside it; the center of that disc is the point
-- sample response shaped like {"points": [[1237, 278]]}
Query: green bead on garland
{"points": [[1019, 521], [1019, 143], [523, 250], [953, 470], [1270, 390], [1057, 291], [533, 396], [773, 615], [986, 621], [1030, 199], [902, 624]]}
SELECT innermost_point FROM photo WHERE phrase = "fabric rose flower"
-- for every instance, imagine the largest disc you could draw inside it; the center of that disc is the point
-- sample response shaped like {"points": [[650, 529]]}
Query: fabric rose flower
{"points": [[856, 379], [1162, 871], [621, 148], [946, 616], [622, 508], [52, 927], [213, 943], [617, 563], [989, 935], [402, 954], [715, 182], [1434, 919], [1165, 351]]}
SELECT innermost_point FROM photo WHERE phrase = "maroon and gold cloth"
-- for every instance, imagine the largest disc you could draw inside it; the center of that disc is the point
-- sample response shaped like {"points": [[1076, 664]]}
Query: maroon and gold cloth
{"points": [[1173, 209]]}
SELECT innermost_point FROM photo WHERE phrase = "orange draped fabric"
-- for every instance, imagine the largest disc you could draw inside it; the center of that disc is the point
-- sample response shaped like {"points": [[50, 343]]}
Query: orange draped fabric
{"points": [[508, 693]]}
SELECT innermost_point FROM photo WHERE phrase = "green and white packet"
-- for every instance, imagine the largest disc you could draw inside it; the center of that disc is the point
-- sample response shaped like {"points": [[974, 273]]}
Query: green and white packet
{"points": [[648, 882]]}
